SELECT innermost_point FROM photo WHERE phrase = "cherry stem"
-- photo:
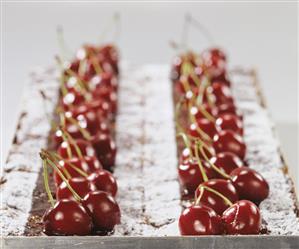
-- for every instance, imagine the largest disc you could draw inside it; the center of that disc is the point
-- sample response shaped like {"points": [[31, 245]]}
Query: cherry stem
{"points": [[186, 142], [202, 187], [177, 112], [83, 131], [210, 163], [73, 142], [198, 129], [201, 168], [54, 166], [203, 30], [60, 37], [47, 154], [83, 87], [46, 183], [65, 139], [96, 64], [81, 172]]}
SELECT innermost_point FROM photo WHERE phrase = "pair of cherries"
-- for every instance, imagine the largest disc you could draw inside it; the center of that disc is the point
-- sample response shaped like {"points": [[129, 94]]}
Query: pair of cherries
{"points": [[84, 204], [97, 211], [243, 217]]}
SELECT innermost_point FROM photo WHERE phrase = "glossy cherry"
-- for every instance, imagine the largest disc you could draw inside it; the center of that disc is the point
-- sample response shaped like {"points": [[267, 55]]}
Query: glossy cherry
{"points": [[105, 149], [224, 187], [103, 209], [190, 176], [104, 181], [200, 220], [250, 184], [185, 154], [226, 162], [198, 114], [221, 92], [242, 218], [229, 141], [67, 165], [67, 217], [81, 185], [229, 121], [84, 146]]}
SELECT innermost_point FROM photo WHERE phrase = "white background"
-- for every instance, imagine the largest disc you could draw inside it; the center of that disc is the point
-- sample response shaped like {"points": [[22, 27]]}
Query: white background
{"points": [[262, 35]]}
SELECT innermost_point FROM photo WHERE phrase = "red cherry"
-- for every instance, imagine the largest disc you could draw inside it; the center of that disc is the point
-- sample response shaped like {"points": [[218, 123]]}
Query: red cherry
{"points": [[176, 68], [250, 184], [190, 176], [105, 149], [81, 185], [67, 217], [104, 80], [185, 155], [103, 209], [227, 140], [226, 162], [224, 187], [199, 220], [205, 125], [104, 181], [242, 218], [214, 55], [66, 165], [229, 121], [73, 98], [84, 146], [221, 92], [93, 163], [213, 111]]}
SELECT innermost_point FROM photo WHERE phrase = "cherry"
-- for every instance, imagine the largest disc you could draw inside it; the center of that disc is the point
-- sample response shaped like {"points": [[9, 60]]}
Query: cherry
{"points": [[104, 181], [176, 68], [227, 140], [200, 220], [227, 108], [229, 121], [92, 118], [207, 127], [93, 163], [243, 217], [210, 199], [73, 98], [67, 166], [104, 80], [221, 92], [226, 162], [67, 217], [213, 55], [190, 175], [185, 154], [105, 149], [85, 148], [81, 185], [198, 114], [103, 209], [250, 184]]}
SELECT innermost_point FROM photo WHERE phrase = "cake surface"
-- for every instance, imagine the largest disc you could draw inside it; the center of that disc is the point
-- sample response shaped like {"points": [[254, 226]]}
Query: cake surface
{"points": [[146, 164]]}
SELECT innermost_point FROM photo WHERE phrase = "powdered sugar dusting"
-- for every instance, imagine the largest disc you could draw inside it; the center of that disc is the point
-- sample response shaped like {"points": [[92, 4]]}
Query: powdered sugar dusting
{"points": [[23, 164], [146, 169], [278, 210]]}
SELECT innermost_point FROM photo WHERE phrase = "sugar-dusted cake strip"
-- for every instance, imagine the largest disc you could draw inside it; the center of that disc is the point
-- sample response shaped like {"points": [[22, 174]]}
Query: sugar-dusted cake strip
{"points": [[263, 154], [146, 158], [23, 164]]}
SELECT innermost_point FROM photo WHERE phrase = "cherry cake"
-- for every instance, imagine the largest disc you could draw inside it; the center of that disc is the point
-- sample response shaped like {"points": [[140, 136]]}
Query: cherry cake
{"points": [[116, 149]]}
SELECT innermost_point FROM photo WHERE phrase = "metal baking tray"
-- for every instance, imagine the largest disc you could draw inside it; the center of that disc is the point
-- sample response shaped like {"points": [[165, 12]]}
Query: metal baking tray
{"points": [[199, 242]]}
